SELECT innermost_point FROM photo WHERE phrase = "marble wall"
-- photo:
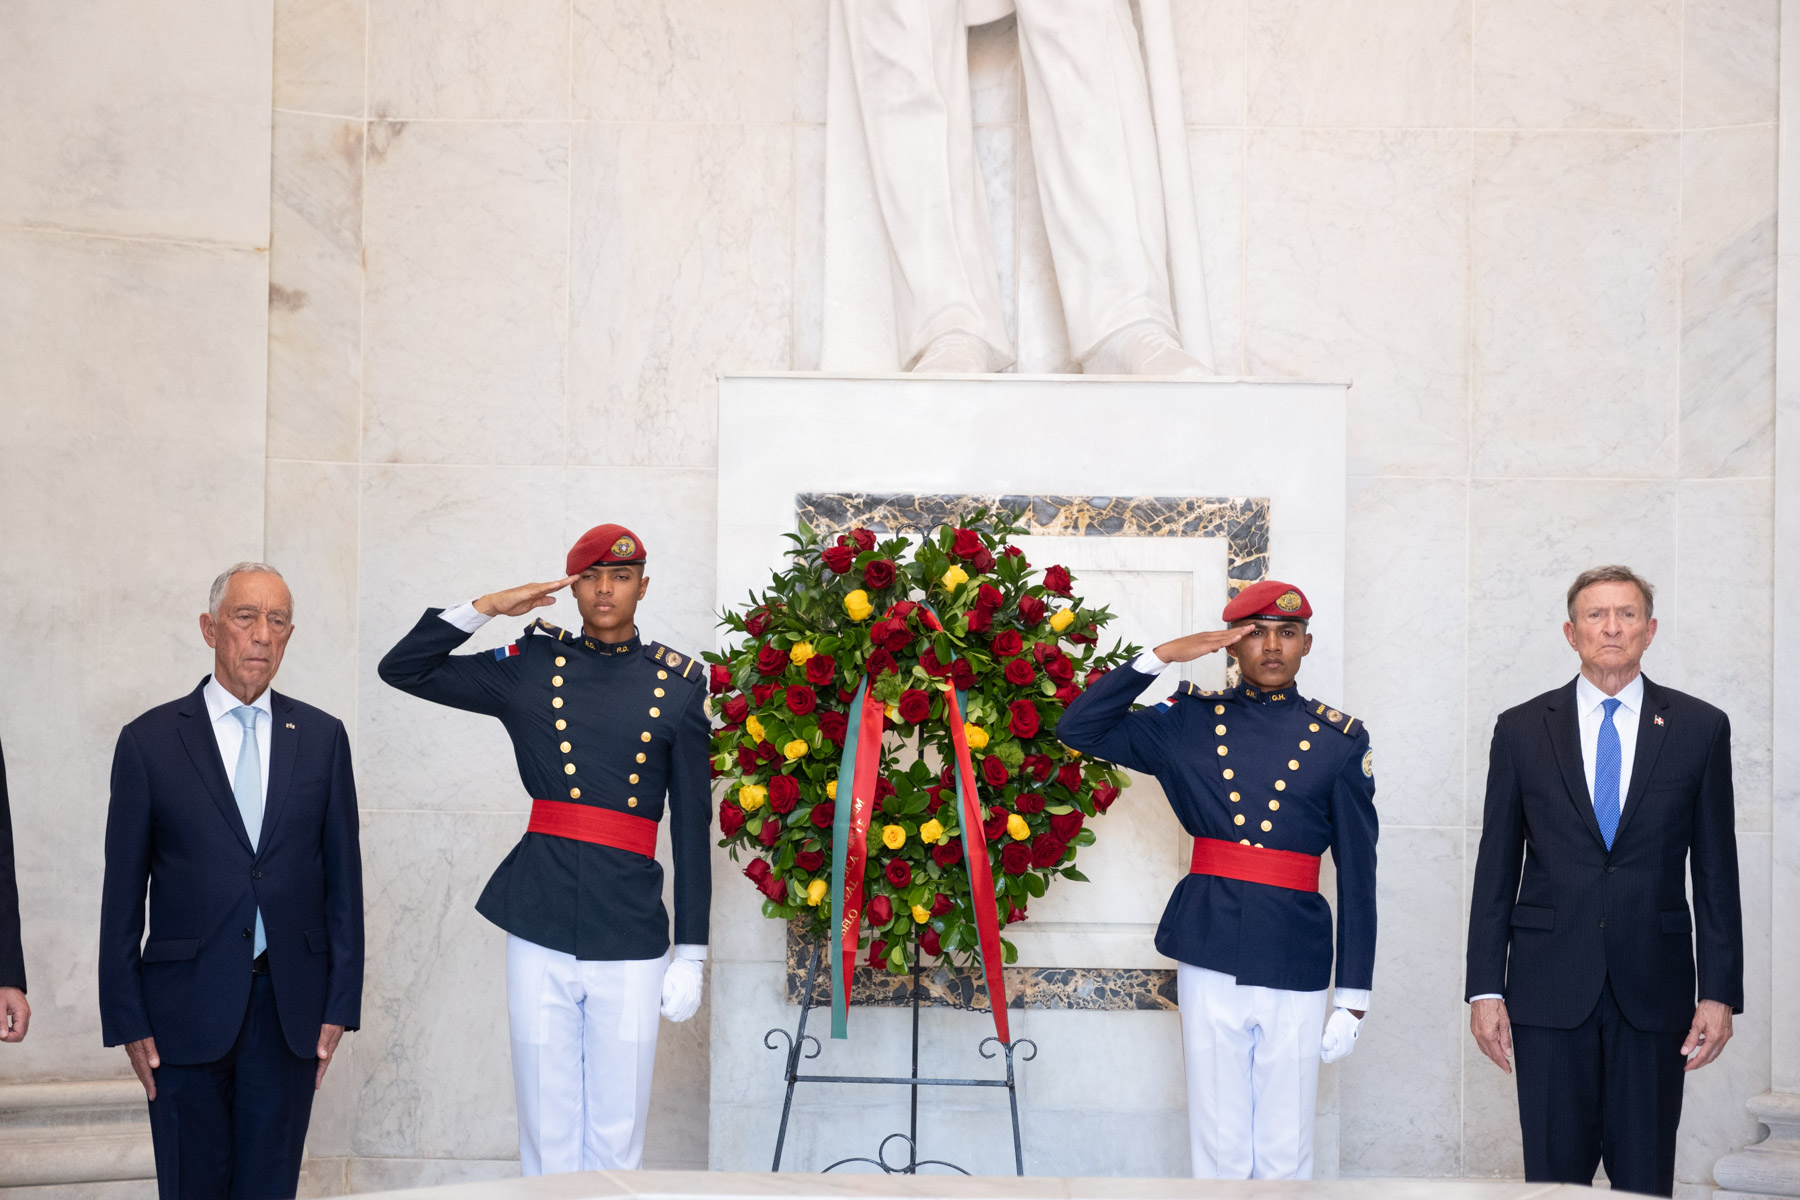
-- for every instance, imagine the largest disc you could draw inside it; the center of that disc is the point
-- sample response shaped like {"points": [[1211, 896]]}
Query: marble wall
{"points": [[506, 247]]}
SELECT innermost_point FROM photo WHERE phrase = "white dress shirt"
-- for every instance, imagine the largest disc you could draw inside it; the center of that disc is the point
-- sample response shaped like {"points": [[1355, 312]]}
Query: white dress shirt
{"points": [[229, 733], [1590, 711]]}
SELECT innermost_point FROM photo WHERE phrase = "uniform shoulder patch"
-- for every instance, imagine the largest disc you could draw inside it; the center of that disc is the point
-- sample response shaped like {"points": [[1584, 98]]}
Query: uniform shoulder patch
{"points": [[1189, 688], [541, 626], [673, 661], [1343, 722]]}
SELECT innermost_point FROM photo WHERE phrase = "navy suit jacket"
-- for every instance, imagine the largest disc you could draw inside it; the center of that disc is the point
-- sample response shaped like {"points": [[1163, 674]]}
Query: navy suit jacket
{"points": [[174, 824], [1553, 912]]}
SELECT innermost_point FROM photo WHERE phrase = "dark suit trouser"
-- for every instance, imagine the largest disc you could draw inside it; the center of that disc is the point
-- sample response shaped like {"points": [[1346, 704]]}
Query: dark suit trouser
{"points": [[235, 1129], [1603, 1090]]}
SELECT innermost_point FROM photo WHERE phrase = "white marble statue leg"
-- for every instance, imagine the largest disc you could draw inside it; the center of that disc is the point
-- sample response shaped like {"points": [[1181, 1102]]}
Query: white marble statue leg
{"points": [[1098, 175], [910, 60]]}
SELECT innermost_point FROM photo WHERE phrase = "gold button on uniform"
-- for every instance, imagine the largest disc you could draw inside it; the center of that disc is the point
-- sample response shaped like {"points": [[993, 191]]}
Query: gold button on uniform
{"points": [[561, 724], [1218, 710], [568, 768], [561, 661], [662, 674], [1223, 751], [644, 736], [656, 712], [1235, 797], [1219, 729], [633, 778], [1228, 772], [631, 800], [1274, 806], [1293, 764], [659, 691], [1306, 745], [1268, 825], [566, 747], [1238, 820], [1243, 841], [1314, 727], [556, 681], [1281, 785], [574, 793], [556, 702], [640, 757]]}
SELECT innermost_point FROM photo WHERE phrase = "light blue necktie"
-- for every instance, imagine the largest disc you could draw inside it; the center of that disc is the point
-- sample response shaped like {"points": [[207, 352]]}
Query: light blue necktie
{"points": [[246, 785], [1606, 774]]}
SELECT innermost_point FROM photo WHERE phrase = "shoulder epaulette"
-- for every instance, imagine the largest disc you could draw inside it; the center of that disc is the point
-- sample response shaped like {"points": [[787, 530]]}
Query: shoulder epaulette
{"points": [[678, 663], [544, 627], [1189, 688], [1343, 722]]}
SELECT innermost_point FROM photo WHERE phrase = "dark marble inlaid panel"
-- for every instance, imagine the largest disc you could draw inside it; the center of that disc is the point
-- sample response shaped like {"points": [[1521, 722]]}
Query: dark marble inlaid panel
{"points": [[1095, 988], [1242, 521]]}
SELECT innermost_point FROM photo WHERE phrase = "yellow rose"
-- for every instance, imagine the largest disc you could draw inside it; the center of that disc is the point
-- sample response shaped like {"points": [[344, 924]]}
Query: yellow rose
{"points": [[931, 831], [752, 796], [893, 836], [755, 728], [831, 790], [921, 915], [1016, 828], [857, 605], [892, 711], [955, 577], [815, 892], [796, 749], [977, 736], [800, 653], [1062, 618]]}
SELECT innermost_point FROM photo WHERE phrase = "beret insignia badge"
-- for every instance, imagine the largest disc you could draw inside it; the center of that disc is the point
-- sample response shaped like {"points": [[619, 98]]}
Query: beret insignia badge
{"points": [[1288, 602], [624, 548]]}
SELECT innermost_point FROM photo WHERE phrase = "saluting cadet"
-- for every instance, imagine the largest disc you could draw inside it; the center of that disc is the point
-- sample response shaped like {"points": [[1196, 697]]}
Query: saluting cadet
{"points": [[1265, 780], [603, 725]]}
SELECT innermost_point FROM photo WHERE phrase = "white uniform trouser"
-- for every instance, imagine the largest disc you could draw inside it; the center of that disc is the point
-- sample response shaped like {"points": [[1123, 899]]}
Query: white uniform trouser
{"points": [[1252, 1075], [583, 1051], [1093, 141]]}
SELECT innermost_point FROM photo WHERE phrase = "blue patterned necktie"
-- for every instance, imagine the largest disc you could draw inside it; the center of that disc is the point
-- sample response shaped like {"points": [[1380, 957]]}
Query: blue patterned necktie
{"points": [[1606, 774], [246, 786]]}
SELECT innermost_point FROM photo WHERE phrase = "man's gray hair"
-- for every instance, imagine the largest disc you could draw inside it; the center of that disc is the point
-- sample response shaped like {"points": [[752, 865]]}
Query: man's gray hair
{"points": [[1612, 574], [217, 597]]}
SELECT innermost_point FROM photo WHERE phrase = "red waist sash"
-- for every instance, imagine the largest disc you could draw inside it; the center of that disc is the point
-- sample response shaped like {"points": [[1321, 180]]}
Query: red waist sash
{"points": [[1252, 864], [600, 826]]}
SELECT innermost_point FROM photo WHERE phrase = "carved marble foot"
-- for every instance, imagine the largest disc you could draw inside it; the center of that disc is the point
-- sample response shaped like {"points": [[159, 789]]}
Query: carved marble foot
{"points": [[958, 352], [1144, 348]]}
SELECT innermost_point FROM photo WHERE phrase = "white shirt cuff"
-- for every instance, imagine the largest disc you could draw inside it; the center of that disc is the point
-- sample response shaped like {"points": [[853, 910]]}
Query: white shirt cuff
{"points": [[1353, 998], [1148, 664], [1486, 996], [698, 953], [465, 617]]}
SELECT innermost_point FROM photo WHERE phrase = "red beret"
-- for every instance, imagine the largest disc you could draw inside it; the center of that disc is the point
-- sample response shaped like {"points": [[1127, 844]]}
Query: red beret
{"points": [[604, 545], [1271, 599]]}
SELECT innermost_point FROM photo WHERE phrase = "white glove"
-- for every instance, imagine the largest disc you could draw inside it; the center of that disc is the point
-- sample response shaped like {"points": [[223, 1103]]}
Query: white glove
{"points": [[681, 988], [1340, 1035]]}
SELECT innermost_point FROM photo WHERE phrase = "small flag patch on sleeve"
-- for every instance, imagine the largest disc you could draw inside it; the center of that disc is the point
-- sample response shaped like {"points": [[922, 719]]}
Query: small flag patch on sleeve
{"points": [[506, 651]]}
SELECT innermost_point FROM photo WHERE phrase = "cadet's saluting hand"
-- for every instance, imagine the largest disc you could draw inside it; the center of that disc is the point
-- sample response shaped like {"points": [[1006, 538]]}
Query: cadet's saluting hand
{"points": [[1199, 645], [516, 602]]}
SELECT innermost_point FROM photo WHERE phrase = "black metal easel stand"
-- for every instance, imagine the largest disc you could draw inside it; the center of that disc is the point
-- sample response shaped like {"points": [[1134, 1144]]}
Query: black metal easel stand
{"points": [[798, 1039]]}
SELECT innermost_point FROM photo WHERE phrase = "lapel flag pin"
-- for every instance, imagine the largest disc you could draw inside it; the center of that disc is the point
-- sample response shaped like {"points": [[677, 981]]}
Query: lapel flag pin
{"points": [[1658, 720]]}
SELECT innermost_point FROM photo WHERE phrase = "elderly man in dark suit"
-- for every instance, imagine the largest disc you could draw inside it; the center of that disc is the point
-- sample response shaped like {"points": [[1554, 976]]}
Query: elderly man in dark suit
{"points": [[237, 807], [15, 1013], [1602, 797]]}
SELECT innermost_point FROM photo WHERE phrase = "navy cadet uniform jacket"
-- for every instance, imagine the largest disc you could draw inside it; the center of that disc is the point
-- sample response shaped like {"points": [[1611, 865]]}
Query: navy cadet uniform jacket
{"points": [[1271, 769], [614, 726]]}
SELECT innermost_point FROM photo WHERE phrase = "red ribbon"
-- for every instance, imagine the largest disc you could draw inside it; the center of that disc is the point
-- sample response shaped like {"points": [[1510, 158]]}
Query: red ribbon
{"points": [[862, 809]]}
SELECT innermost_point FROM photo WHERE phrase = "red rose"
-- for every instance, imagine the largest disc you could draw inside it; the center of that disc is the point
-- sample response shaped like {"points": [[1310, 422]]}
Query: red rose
{"points": [[822, 814], [731, 819], [775, 889], [982, 561], [1056, 581], [801, 699], [942, 904], [821, 669], [881, 911], [846, 695], [879, 574], [947, 776], [995, 826], [1059, 668], [766, 752], [883, 789], [899, 873], [1014, 914], [863, 538], [718, 679], [809, 860], [1031, 610], [1023, 719], [964, 543], [936, 792], [933, 667], [877, 953], [735, 710], [839, 558], [947, 854], [770, 832], [784, 793], [1097, 674], [746, 756], [761, 692], [994, 772], [771, 660], [930, 942], [1070, 777], [834, 725], [1020, 673], [915, 706], [962, 674], [1066, 825], [756, 622], [1065, 695], [1007, 643], [1038, 766], [1015, 858], [1013, 552], [758, 870], [713, 769], [1028, 802], [1047, 850], [1087, 637], [989, 597], [980, 620], [1104, 796], [880, 663], [896, 636]]}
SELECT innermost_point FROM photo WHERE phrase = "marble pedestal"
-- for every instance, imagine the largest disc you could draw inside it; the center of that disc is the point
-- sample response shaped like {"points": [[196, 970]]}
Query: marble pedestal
{"points": [[1771, 1167], [1160, 496]]}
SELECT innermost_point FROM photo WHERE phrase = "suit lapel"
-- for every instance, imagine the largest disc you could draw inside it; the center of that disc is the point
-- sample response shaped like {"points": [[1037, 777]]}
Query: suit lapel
{"points": [[1650, 737], [203, 748], [283, 745], [1564, 727]]}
